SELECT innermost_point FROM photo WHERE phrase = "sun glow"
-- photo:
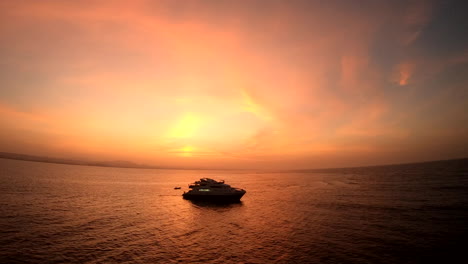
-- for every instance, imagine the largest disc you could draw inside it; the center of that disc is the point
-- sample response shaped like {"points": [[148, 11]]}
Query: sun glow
{"points": [[187, 151], [186, 127], [249, 105]]}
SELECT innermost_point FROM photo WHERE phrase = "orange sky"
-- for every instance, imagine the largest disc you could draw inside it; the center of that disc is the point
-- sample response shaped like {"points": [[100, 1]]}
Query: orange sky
{"points": [[234, 84]]}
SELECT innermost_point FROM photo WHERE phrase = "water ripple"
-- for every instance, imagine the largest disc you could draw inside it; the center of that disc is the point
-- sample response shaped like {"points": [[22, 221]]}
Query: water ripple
{"points": [[70, 214]]}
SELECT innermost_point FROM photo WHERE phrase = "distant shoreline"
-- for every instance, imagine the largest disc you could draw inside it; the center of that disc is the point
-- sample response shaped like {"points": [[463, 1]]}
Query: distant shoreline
{"points": [[108, 164], [131, 165], [465, 159]]}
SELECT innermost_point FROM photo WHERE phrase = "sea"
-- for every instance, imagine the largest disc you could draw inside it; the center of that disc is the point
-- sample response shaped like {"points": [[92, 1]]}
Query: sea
{"points": [[56, 213]]}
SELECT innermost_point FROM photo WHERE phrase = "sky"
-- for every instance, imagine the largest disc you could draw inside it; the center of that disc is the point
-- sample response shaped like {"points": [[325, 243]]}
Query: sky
{"points": [[235, 84]]}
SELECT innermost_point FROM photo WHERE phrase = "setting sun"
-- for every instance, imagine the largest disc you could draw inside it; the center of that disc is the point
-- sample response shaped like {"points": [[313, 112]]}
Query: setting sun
{"points": [[187, 151]]}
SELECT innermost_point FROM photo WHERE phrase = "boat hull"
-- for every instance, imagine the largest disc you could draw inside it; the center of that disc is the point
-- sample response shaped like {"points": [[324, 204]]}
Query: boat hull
{"points": [[235, 197]]}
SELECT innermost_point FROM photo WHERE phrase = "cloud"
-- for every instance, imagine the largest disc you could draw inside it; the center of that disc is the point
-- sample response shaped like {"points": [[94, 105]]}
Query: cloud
{"points": [[403, 73], [11, 113], [250, 105], [415, 17]]}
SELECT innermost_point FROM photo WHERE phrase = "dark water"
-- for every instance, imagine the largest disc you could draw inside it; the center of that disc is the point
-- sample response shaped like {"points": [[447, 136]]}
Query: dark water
{"points": [[52, 213]]}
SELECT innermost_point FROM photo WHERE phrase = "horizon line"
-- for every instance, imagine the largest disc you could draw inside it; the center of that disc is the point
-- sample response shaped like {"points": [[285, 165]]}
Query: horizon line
{"points": [[108, 164]]}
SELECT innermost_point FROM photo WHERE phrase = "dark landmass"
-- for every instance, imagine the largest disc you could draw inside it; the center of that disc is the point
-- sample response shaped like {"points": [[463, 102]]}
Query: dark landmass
{"points": [[460, 162], [117, 163], [129, 164]]}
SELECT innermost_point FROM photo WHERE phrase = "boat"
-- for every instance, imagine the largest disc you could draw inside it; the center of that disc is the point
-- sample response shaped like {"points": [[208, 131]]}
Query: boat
{"points": [[207, 189], [177, 188]]}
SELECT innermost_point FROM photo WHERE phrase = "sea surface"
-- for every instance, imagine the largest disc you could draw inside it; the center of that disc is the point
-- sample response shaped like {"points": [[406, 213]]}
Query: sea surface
{"points": [[53, 213]]}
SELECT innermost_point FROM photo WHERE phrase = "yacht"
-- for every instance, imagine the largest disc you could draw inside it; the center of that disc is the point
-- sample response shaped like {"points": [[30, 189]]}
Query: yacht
{"points": [[210, 190]]}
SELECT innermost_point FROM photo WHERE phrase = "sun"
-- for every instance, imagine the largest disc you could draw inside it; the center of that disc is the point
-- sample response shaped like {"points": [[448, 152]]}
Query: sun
{"points": [[187, 151]]}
